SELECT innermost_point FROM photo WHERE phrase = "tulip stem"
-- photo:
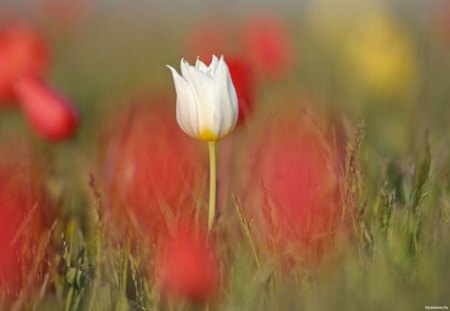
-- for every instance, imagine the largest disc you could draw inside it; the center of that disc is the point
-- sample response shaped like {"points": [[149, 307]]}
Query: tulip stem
{"points": [[212, 184]]}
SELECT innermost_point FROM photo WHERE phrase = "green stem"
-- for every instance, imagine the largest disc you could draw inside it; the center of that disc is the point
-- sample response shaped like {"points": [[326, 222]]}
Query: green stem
{"points": [[212, 184], [69, 298]]}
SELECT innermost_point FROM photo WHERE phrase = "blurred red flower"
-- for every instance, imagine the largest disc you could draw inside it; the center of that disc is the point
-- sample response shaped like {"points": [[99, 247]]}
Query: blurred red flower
{"points": [[24, 220], [24, 59], [50, 114], [188, 267], [244, 83], [23, 52], [269, 46], [294, 184], [153, 169]]}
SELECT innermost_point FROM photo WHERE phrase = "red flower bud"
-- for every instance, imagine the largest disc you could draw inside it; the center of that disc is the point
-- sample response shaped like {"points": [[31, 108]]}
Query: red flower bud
{"points": [[23, 52], [244, 83], [188, 267], [269, 46], [50, 114], [23, 63]]}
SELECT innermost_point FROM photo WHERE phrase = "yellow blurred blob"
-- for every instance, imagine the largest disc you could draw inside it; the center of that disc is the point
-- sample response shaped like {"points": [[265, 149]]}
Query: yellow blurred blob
{"points": [[71, 228], [381, 56]]}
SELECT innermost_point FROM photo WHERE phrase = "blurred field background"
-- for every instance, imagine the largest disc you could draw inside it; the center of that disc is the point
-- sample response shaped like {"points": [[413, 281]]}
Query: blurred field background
{"points": [[374, 76]]}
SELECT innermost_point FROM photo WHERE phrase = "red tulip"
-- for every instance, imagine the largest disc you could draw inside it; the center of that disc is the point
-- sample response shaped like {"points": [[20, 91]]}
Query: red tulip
{"points": [[50, 114], [294, 178], [244, 83], [188, 267], [23, 220], [154, 168], [23, 52], [269, 46], [23, 64]]}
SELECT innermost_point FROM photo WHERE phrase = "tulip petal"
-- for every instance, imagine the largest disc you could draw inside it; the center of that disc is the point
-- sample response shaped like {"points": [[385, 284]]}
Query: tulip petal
{"points": [[187, 115], [201, 84], [226, 108], [213, 66], [183, 67], [201, 65]]}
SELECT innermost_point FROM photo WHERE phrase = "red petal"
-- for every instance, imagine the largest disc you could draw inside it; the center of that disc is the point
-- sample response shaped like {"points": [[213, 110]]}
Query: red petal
{"points": [[50, 114]]}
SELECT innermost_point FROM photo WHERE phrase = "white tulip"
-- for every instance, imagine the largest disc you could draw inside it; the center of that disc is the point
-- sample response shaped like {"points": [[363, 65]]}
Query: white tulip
{"points": [[207, 104]]}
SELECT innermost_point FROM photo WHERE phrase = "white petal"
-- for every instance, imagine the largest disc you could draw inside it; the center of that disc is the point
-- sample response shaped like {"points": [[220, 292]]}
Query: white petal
{"points": [[187, 116], [201, 65], [213, 66], [202, 86], [226, 102], [183, 67], [180, 82]]}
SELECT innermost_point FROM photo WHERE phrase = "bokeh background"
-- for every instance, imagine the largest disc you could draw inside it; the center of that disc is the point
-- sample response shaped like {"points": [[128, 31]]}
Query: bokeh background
{"points": [[383, 58]]}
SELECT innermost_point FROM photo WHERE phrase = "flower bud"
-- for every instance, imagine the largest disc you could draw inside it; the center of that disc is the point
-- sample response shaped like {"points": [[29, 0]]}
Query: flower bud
{"points": [[23, 64], [23, 52], [269, 46], [50, 114], [207, 104], [188, 267]]}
